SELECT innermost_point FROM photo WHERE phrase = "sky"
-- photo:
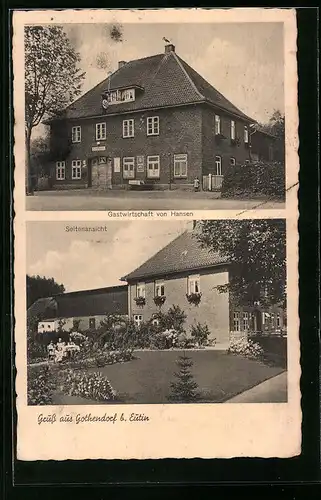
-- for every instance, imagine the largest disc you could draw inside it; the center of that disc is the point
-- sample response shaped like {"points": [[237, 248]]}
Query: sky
{"points": [[87, 260], [244, 61]]}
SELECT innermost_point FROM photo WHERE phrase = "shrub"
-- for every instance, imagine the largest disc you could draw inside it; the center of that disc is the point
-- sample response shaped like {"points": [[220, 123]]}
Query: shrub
{"points": [[40, 386], [185, 342], [200, 333], [184, 389], [87, 385], [247, 348], [165, 339], [254, 179]]}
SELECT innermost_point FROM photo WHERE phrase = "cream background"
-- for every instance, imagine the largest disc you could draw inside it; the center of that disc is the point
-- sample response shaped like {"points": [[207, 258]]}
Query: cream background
{"points": [[208, 430]]}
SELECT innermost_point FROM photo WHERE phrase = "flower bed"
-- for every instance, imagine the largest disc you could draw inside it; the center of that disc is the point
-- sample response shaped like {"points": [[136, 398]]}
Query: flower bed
{"points": [[247, 348], [87, 385]]}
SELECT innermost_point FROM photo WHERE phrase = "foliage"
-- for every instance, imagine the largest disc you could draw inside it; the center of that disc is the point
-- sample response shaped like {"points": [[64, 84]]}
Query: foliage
{"points": [[184, 389], [174, 318], [200, 333], [256, 252], [39, 287], [246, 347], [194, 298], [276, 127], [159, 300], [165, 339], [254, 179], [41, 385], [53, 78], [87, 385]]}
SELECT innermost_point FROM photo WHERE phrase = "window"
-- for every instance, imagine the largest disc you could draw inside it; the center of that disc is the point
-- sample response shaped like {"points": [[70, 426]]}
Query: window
{"points": [[245, 321], [128, 128], [246, 134], [153, 166], [217, 124], [193, 284], [129, 167], [60, 170], [236, 322], [92, 323], [153, 125], [100, 131], [232, 161], [138, 318], [278, 320], [180, 165], [140, 290], [233, 130], [76, 169], [218, 165], [76, 134], [159, 289]]}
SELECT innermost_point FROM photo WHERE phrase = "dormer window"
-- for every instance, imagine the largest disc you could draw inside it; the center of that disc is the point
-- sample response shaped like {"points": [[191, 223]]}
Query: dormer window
{"points": [[119, 96]]}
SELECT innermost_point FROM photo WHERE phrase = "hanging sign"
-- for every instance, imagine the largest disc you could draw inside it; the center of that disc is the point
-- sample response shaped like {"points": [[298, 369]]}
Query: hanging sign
{"points": [[140, 163]]}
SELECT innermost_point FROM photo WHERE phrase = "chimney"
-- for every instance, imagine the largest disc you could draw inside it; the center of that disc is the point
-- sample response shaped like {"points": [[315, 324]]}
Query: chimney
{"points": [[121, 64], [169, 48]]}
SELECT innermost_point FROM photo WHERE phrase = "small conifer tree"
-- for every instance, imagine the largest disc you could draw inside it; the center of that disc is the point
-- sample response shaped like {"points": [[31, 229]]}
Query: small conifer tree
{"points": [[184, 389]]}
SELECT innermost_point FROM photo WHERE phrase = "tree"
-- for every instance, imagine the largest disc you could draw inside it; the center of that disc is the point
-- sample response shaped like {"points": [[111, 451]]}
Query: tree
{"points": [[39, 287], [276, 127], [256, 252], [52, 78], [184, 389]]}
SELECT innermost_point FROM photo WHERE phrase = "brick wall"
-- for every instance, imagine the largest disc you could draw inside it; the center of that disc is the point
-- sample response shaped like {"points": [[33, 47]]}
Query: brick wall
{"points": [[224, 148], [180, 133], [212, 310]]}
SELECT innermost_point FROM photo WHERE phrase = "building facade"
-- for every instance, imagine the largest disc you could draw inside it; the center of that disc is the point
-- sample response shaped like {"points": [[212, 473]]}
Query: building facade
{"points": [[155, 121]]}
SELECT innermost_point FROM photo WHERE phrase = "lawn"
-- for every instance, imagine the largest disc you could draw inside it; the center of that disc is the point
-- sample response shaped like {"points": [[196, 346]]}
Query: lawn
{"points": [[147, 378]]}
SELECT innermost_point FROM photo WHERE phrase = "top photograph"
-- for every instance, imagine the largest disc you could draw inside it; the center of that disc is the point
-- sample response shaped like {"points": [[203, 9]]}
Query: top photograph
{"points": [[161, 116]]}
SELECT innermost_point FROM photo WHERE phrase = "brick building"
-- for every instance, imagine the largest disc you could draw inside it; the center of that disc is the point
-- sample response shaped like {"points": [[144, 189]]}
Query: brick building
{"points": [[185, 274], [155, 121]]}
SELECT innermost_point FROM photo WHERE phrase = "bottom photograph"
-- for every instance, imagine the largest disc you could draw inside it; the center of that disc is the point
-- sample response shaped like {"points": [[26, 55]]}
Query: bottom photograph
{"points": [[138, 312]]}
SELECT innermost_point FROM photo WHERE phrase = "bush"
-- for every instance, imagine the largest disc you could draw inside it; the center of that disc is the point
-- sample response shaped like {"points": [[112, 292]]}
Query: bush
{"points": [[247, 348], [87, 385], [40, 386], [200, 333], [254, 179], [165, 340], [274, 348]]}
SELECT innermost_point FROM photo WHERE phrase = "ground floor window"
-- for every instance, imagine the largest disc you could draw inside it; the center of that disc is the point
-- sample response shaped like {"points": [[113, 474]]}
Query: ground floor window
{"points": [[129, 167], [218, 165], [232, 161], [180, 165], [153, 166], [245, 321], [60, 170], [138, 318], [236, 322], [76, 169]]}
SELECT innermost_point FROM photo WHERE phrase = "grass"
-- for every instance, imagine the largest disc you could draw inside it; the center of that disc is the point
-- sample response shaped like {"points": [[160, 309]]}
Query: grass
{"points": [[146, 379]]}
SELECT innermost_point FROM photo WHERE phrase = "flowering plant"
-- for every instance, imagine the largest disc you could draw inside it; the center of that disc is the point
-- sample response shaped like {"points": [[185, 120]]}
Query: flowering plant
{"points": [[88, 385], [246, 347], [159, 300], [166, 339], [140, 301], [194, 297]]}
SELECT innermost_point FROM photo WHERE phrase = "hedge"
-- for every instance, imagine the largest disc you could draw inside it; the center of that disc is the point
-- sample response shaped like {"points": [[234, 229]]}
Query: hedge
{"points": [[259, 179]]}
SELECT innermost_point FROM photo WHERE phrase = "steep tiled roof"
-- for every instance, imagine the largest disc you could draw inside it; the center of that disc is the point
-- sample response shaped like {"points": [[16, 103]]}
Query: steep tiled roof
{"points": [[182, 254], [112, 300], [166, 80]]}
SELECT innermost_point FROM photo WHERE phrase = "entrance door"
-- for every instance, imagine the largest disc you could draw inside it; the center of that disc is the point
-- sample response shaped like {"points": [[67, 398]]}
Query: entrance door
{"points": [[101, 173]]}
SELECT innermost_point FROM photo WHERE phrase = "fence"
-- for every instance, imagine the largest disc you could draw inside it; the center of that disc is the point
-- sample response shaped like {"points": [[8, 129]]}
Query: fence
{"points": [[212, 182]]}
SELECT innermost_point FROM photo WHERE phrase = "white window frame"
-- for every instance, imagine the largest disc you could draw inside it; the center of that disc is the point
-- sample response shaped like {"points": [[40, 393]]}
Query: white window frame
{"points": [[218, 165], [76, 134], [217, 124], [141, 290], [245, 321], [129, 173], [152, 125], [128, 128], [194, 284], [233, 130], [159, 289], [236, 322], [246, 134], [153, 167], [138, 319], [179, 160], [76, 169], [232, 161], [60, 170], [101, 131]]}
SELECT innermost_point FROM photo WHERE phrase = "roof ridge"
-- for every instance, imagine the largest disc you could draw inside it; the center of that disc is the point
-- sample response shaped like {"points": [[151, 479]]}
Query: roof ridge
{"points": [[154, 255]]}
